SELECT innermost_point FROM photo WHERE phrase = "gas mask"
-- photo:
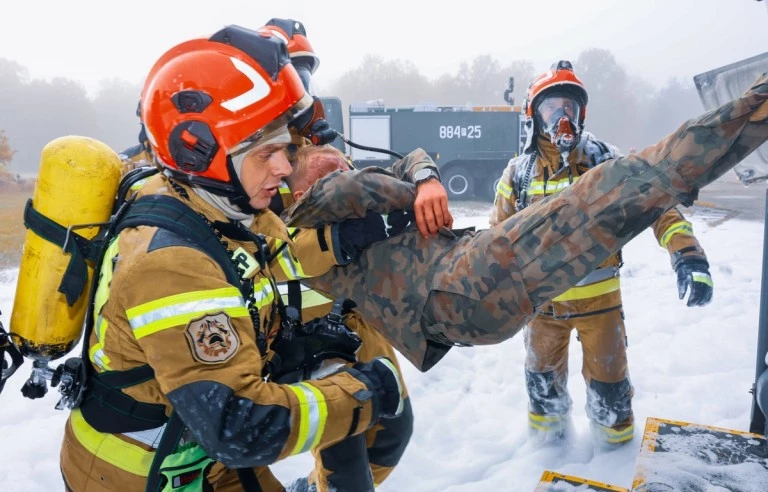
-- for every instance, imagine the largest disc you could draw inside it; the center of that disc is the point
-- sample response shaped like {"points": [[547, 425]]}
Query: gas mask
{"points": [[558, 118]]}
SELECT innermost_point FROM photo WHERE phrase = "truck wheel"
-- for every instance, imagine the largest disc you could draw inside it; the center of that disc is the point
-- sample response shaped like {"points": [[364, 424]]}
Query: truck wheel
{"points": [[459, 184]]}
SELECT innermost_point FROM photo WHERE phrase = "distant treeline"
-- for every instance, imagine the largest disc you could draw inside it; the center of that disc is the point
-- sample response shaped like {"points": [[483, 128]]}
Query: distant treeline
{"points": [[623, 108]]}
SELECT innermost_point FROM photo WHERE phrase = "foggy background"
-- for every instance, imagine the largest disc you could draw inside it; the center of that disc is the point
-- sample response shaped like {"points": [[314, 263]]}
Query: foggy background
{"points": [[77, 68]]}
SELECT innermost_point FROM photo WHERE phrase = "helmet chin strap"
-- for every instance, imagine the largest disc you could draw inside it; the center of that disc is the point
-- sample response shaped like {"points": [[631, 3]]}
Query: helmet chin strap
{"points": [[235, 205], [240, 200]]}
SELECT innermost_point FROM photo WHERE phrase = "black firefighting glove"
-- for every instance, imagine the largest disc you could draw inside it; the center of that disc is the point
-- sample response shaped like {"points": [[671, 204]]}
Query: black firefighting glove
{"points": [[398, 220], [597, 152], [357, 234], [300, 349], [693, 274], [386, 385]]}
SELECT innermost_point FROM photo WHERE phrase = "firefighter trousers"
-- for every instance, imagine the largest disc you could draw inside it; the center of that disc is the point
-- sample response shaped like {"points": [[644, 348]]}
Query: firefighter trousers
{"points": [[604, 367]]}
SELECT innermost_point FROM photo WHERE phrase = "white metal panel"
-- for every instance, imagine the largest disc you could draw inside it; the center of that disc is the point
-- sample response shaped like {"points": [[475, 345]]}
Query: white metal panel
{"points": [[371, 131]]}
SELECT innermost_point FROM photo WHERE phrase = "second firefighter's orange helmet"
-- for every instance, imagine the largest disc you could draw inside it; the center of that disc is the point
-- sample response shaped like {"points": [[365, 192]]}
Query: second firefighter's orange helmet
{"points": [[560, 77], [206, 99], [293, 33]]}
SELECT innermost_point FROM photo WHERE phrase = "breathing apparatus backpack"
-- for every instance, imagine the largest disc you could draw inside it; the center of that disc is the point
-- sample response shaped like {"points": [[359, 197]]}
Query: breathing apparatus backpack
{"points": [[75, 191], [79, 205]]}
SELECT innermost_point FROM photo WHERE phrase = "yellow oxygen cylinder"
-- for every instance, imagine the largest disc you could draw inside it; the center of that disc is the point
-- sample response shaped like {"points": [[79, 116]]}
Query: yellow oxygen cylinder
{"points": [[76, 184]]}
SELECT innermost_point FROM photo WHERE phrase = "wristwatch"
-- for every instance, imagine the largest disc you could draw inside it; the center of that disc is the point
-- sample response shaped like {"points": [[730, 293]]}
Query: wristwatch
{"points": [[424, 174]]}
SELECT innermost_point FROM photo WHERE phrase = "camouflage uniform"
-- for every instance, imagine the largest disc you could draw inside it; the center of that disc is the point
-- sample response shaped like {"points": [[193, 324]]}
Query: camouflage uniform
{"points": [[425, 295], [593, 308], [345, 465]]}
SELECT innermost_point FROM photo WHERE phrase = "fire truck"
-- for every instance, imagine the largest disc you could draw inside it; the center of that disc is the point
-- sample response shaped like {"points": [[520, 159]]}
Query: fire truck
{"points": [[471, 145]]}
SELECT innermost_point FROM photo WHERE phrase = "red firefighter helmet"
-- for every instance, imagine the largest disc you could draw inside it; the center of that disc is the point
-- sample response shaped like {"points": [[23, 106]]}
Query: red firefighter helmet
{"points": [[294, 35], [206, 99], [560, 78]]}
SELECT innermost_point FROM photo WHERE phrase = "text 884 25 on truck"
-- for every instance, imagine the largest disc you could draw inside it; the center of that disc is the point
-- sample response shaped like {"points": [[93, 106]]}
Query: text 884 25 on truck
{"points": [[470, 144]]}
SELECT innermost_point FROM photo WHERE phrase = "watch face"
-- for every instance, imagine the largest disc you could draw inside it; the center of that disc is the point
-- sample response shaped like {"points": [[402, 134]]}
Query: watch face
{"points": [[422, 174]]}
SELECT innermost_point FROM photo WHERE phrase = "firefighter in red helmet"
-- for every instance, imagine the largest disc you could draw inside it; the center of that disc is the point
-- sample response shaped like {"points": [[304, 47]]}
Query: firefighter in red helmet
{"points": [[186, 378], [557, 152]]}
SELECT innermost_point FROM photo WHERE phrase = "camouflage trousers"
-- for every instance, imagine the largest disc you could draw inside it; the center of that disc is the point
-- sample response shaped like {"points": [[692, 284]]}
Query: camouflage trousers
{"points": [[425, 295]]}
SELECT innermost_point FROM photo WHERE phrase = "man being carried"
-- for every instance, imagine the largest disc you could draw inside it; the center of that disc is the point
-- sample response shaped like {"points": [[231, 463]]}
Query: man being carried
{"points": [[364, 461], [426, 295]]}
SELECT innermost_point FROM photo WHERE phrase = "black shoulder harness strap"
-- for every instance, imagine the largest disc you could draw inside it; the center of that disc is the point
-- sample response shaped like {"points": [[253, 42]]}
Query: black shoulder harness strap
{"points": [[105, 407], [173, 215]]}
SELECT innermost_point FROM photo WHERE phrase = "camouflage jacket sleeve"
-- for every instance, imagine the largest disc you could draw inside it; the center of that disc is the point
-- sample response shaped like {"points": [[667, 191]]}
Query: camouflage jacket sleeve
{"points": [[195, 331], [344, 195], [504, 202], [415, 161], [672, 231], [675, 234]]}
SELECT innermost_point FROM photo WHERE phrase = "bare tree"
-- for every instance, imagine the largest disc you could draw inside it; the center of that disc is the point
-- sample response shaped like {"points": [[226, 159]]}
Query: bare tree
{"points": [[34, 112], [395, 81], [613, 112], [6, 152], [675, 102], [114, 109]]}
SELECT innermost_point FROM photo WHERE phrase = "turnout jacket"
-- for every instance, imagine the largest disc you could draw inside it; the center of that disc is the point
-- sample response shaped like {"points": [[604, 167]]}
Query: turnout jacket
{"points": [[162, 301]]}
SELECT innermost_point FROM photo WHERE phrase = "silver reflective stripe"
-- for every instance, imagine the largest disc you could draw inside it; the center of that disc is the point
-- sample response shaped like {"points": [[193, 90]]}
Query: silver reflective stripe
{"points": [[598, 276], [97, 331], [98, 357], [314, 417], [265, 293], [185, 307], [288, 261], [150, 437]]}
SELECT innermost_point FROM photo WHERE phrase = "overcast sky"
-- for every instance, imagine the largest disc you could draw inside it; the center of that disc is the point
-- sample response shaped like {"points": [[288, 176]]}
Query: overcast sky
{"points": [[88, 40]]}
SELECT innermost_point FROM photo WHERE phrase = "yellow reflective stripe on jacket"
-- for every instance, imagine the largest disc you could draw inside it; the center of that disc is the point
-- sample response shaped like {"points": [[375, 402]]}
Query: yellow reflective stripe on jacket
{"points": [[284, 189], [310, 298], [587, 291], [263, 293], [139, 184], [549, 187], [288, 263], [504, 190], [180, 309], [105, 277], [96, 352], [682, 227], [109, 448], [314, 413]]}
